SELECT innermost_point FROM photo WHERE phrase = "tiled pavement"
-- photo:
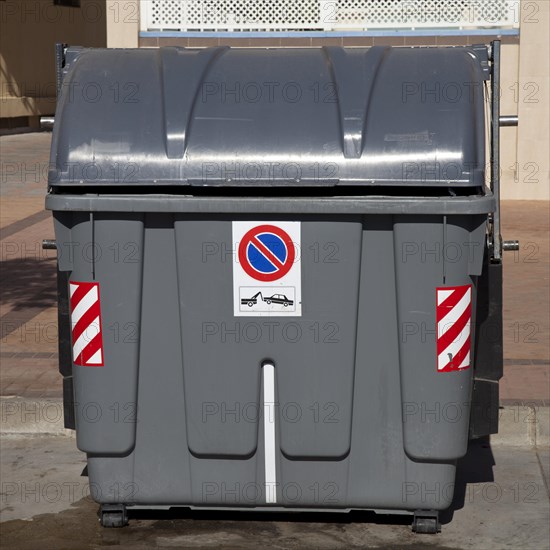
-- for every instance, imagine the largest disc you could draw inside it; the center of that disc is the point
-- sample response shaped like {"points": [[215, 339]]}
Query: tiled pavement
{"points": [[526, 303], [28, 317]]}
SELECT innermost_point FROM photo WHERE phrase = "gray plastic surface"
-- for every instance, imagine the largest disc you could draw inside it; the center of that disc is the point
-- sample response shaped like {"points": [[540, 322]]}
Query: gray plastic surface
{"points": [[266, 117], [260, 205], [375, 428]]}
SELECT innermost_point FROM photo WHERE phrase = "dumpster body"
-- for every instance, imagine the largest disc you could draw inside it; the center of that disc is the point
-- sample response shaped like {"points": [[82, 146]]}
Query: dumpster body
{"points": [[271, 260]]}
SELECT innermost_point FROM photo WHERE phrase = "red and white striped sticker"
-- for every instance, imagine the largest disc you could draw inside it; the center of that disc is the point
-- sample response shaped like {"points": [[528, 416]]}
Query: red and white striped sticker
{"points": [[453, 318], [86, 324]]}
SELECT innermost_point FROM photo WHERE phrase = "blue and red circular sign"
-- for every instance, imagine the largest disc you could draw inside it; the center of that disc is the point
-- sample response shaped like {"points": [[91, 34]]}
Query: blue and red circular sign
{"points": [[266, 253]]}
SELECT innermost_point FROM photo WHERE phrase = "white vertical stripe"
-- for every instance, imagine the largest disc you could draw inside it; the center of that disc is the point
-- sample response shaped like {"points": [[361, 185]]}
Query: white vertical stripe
{"points": [[442, 295], [84, 305], [96, 358], [269, 434], [454, 347], [86, 337], [450, 319]]}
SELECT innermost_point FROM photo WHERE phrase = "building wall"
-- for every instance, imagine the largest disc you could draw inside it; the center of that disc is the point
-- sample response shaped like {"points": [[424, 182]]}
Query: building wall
{"points": [[531, 176], [29, 30], [123, 23]]}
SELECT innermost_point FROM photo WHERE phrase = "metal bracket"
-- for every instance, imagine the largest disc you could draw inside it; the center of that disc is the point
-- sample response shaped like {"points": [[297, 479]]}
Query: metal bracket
{"points": [[494, 239], [508, 120]]}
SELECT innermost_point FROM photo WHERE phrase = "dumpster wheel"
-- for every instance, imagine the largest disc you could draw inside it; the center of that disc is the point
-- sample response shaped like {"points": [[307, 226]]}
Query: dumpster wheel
{"points": [[426, 522], [113, 515]]}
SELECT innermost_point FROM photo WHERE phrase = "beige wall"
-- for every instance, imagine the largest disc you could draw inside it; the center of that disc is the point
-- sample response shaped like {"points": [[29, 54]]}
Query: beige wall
{"points": [[29, 30], [122, 23], [531, 177], [508, 106]]}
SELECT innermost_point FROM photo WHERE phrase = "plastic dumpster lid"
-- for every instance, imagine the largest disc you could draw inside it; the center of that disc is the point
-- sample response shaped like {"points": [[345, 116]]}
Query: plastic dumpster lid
{"points": [[327, 116]]}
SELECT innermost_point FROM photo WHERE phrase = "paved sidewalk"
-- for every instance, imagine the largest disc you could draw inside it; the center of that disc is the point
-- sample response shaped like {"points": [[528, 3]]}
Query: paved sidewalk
{"points": [[500, 502], [28, 317]]}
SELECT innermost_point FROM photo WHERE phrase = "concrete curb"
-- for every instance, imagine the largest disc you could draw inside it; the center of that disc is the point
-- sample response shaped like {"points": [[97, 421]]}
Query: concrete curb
{"points": [[520, 425], [21, 416], [523, 425]]}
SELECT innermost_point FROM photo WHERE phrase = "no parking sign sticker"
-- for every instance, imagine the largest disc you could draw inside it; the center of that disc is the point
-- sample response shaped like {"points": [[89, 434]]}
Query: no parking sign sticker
{"points": [[266, 273]]}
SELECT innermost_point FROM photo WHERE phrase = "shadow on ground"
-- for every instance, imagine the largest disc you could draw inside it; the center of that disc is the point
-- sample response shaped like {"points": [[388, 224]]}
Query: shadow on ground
{"points": [[28, 283], [475, 467], [28, 287]]}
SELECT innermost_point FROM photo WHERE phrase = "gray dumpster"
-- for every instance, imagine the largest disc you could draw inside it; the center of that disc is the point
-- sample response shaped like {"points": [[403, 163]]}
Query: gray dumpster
{"points": [[269, 266]]}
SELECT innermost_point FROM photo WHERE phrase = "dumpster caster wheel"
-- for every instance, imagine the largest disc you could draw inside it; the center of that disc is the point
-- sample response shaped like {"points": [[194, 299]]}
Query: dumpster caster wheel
{"points": [[113, 515], [426, 522]]}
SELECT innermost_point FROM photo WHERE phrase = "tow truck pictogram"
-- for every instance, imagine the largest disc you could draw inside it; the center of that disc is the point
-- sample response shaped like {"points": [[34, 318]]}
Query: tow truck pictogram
{"points": [[251, 301], [280, 299]]}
